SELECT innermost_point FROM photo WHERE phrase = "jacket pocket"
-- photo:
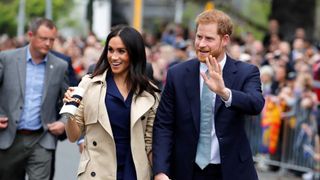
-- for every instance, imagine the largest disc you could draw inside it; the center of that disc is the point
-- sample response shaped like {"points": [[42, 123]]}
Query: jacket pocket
{"points": [[82, 166]]}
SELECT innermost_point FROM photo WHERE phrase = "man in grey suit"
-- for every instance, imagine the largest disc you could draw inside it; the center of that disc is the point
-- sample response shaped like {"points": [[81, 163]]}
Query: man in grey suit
{"points": [[32, 85]]}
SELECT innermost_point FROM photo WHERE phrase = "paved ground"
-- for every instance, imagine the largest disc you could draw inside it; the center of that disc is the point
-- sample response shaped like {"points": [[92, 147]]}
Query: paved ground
{"points": [[68, 159], [277, 176]]}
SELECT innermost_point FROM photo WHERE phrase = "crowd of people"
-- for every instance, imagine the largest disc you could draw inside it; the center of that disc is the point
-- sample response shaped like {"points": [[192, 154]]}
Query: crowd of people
{"points": [[125, 112]]}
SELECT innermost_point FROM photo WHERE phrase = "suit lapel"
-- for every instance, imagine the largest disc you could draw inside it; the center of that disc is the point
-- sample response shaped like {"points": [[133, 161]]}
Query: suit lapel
{"points": [[229, 71], [49, 73], [22, 69], [192, 84]]}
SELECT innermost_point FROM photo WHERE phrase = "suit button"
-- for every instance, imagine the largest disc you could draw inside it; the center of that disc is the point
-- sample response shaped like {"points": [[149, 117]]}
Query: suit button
{"points": [[17, 122], [143, 117], [93, 174], [94, 143], [20, 107]]}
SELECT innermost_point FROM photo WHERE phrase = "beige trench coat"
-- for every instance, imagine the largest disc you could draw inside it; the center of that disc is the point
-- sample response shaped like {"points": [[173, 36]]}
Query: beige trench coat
{"points": [[98, 159]]}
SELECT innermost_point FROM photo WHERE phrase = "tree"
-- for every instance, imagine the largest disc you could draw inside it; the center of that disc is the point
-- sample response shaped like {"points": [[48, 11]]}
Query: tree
{"points": [[90, 14], [8, 14], [292, 14], [34, 8]]}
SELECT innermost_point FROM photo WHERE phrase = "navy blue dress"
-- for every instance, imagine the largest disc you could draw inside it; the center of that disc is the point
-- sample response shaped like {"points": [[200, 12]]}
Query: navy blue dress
{"points": [[119, 115]]}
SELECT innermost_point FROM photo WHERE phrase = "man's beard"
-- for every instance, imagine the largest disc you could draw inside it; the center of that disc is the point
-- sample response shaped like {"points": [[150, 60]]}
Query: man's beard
{"points": [[214, 53]]}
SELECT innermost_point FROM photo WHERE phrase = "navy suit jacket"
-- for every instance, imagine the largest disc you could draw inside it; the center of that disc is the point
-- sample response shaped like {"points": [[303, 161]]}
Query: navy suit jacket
{"points": [[177, 123]]}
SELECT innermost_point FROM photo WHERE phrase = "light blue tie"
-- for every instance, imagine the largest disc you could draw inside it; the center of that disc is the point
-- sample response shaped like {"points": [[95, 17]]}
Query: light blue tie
{"points": [[204, 144]]}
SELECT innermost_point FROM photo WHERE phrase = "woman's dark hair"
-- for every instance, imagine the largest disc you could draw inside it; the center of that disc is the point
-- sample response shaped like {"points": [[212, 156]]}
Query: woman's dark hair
{"points": [[134, 43]]}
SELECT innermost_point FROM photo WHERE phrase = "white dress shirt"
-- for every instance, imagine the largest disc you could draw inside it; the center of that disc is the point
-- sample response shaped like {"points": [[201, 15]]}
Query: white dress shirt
{"points": [[215, 149]]}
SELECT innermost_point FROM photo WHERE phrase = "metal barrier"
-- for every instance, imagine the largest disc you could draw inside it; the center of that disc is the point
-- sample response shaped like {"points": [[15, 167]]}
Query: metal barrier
{"points": [[294, 151]]}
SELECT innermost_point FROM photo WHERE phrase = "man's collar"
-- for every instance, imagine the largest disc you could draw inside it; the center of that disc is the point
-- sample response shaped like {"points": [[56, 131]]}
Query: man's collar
{"points": [[29, 57]]}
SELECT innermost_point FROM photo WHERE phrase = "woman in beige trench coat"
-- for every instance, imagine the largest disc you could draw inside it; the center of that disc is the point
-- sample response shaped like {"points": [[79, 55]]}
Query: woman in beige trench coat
{"points": [[116, 113]]}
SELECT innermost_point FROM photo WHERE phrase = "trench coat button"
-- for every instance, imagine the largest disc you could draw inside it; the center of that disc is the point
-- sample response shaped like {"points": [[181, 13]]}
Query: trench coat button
{"points": [[94, 143], [93, 174], [143, 117]]}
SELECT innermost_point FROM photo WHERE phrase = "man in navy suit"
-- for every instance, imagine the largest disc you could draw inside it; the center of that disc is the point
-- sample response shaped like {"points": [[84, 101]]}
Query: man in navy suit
{"points": [[235, 89]]}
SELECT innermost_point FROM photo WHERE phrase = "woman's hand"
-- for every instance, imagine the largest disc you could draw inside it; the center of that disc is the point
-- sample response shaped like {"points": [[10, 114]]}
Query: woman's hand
{"points": [[68, 94]]}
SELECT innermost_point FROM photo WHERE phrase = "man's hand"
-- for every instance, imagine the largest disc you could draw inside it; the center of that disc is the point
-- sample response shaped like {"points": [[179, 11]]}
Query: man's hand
{"points": [[214, 78], [3, 122], [56, 128], [161, 176], [81, 147]]}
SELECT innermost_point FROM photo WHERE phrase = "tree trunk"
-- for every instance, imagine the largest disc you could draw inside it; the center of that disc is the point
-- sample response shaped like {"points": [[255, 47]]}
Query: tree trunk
{"points": [[292, 14]]}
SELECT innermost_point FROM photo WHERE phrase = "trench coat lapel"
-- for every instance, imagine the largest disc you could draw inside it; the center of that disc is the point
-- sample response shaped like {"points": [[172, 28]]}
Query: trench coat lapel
{"points": [[100, 92], [140, 106]]}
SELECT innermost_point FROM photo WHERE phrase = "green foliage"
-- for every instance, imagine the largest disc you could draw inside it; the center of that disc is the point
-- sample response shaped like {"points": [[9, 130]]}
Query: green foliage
{"points": [[34, 8], [257, 12], [8, 14], [190, 12], [251, 16]]}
